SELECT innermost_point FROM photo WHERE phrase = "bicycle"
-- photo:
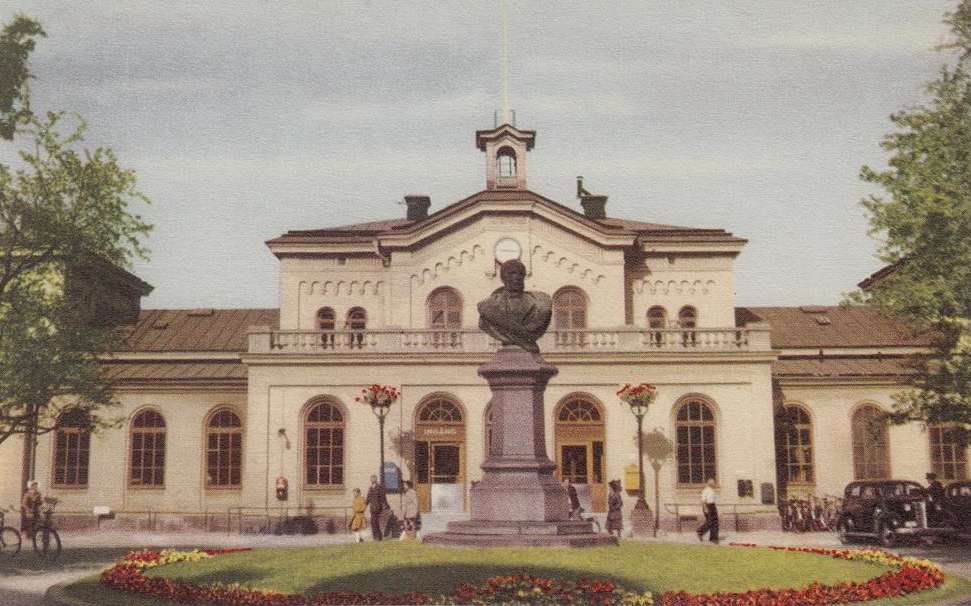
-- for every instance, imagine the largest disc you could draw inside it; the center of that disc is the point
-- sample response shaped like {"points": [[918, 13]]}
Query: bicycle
{"points": [[10, 540], [47, 543]]}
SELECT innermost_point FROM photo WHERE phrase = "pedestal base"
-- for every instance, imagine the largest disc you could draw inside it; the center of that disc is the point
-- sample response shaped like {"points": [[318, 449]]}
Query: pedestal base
{"points": [[498, 533]]}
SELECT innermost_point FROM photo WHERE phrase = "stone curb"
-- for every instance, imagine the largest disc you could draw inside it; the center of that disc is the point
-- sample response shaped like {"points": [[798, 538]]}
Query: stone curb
{"points": [[57, 596]]}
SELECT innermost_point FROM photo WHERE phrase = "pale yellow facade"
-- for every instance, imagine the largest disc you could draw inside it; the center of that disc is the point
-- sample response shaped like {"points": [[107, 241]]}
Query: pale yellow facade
{"points": [[621, 270]]}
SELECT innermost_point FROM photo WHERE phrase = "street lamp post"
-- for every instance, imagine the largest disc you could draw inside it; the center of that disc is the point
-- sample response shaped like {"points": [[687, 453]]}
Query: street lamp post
{"points": [[639, 398], [379, 398], [381, 411]]}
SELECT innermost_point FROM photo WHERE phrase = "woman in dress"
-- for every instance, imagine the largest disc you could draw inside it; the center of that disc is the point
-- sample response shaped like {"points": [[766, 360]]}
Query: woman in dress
{"points": [[410, 511], [358, 521], [615, 518]]}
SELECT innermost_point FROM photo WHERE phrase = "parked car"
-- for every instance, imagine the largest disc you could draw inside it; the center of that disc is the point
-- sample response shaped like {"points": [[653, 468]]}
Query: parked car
{"points": [[890, 510], [957, 503]]}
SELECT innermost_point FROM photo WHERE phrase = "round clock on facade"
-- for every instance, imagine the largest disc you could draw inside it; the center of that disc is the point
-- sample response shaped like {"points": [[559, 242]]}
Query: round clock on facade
{"points": [[507, 249]]}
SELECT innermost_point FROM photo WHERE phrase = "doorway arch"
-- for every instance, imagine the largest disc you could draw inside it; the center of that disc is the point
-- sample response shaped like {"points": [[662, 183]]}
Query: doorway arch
{"points": [[579, 438], [440, 454]]}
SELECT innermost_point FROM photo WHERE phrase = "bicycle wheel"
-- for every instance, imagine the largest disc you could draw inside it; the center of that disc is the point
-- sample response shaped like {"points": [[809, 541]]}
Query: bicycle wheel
{"points": [[47, 544], [9, 542]]}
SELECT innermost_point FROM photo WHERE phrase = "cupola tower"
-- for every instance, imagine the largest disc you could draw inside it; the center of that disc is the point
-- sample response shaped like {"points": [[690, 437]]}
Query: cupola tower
{"points": [[505, 148]]}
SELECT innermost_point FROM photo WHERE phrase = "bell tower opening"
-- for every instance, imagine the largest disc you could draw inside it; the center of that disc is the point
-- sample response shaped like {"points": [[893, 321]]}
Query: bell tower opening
{"points": [[505, 147]]}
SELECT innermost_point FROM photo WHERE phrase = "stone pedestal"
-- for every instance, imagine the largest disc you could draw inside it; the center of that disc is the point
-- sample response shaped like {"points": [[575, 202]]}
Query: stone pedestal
{"points": [[641, 521], [518, 501]]}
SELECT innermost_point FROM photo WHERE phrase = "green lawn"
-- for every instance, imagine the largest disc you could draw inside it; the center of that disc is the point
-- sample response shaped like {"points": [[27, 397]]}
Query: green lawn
{"points": [[395, 567]]}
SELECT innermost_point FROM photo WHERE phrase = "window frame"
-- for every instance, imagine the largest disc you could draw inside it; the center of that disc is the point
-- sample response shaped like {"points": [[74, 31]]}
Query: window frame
{"points": [[306, 426], [939, 464], [786, 447], [862, 443], [209, 430], [83, 431], [155, 431], [448, 308], [706, 445]]}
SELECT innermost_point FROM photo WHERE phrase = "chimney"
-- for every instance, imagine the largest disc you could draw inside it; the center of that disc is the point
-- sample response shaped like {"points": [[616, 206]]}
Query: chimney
{"points": [[417, 206], [594, 207]]}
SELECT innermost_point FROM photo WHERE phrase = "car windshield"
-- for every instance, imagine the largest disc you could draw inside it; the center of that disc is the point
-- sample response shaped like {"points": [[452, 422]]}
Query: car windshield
{"points": [[905, 489]]}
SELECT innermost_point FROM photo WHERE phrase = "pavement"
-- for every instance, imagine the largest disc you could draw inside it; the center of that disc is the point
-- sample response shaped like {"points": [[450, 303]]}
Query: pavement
{"points": [[25, 579]]}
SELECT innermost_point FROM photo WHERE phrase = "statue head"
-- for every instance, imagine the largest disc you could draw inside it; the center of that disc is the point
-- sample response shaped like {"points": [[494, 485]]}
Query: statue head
{"points": [[513, 275]]}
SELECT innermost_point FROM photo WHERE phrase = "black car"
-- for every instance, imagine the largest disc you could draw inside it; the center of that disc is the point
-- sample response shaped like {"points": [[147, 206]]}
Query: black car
{"points": [[957, 504], [890, 510]]}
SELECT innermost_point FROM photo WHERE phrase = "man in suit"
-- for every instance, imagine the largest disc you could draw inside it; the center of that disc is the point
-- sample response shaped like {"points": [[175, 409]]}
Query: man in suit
{"points": [[376, 501]]}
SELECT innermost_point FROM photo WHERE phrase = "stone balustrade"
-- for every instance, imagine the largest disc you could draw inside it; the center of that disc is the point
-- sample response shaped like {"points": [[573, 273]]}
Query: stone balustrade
{"points": [[265, 340]]}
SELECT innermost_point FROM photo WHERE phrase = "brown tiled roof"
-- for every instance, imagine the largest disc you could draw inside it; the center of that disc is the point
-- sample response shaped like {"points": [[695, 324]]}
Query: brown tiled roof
{"points": [[160, 330], [607, 225], [126, 371], [837, 367], [831, 326]]}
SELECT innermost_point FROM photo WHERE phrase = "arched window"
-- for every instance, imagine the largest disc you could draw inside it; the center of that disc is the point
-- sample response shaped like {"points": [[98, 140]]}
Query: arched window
{"points": [[356, 320], [688, 318], [72, 446], [224, 449], [324, 445], [795, 441], [695, 436], [871, 444], [444, 309], [949, 445], [147, 450], [569, 314], [440, 410], [657, 319], [326, 319], [506, 162], [579, 410]]}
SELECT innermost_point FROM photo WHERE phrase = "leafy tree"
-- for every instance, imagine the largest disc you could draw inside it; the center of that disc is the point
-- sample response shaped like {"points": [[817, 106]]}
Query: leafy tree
{"points": [[16, 44], [64, 213], [925, 223]]}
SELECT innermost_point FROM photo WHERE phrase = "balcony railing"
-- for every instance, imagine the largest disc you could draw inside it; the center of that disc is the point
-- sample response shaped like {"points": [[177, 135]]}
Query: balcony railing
{"points": [[264, 340]]}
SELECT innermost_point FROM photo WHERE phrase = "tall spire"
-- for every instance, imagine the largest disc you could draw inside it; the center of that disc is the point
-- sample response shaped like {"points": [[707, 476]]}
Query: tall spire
{"points": [[504, 7]]}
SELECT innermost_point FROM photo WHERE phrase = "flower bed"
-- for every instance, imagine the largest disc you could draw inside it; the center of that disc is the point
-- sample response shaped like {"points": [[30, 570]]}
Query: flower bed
{"points": [[907, 575]]}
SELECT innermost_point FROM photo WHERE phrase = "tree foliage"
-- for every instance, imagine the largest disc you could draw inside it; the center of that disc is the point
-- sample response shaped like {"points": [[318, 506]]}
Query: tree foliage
{"points": [[924, 221], [62, 207], [16, 44]]}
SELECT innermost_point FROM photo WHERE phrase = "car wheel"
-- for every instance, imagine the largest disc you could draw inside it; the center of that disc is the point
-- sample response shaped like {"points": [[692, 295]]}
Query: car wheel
{"points": [[843, 532], [888, 538]]}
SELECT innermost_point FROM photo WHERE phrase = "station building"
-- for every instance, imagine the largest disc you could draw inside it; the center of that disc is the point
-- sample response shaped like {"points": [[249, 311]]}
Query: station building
{"points": [[220, 406]]}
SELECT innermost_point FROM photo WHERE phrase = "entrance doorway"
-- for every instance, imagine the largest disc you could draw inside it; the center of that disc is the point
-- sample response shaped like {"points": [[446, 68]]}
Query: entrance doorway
{"points": [[440, 456], [578, 437]]}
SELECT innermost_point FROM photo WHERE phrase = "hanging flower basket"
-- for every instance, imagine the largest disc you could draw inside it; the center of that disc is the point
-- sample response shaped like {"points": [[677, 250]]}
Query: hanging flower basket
{"points": [[378, 396], [638, 395]]}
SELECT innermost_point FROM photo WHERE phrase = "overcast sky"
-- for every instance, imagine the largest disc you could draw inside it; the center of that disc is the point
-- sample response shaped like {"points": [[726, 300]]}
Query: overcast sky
{"points": [[247, 119]]}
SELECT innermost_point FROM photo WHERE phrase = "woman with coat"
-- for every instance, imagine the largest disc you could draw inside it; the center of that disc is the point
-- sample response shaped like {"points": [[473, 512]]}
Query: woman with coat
{"points": [[615, 518], [358, 521], [410, 511]]}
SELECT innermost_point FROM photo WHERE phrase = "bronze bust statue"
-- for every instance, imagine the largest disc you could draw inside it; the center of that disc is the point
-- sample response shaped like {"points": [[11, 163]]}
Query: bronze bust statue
{"points": [[513, 316]]}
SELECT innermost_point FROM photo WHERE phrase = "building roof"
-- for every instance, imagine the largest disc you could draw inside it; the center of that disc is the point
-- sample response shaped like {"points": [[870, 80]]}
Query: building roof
{"points": [[159, 330], [608, 225], [840, 367], [138, 371], [831, 326]]}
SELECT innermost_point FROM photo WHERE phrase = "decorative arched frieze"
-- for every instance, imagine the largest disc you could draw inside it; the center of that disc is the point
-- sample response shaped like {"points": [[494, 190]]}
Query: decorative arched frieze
{"points": [[660, 287], [435, 269], [342, 288], [571, 266]]}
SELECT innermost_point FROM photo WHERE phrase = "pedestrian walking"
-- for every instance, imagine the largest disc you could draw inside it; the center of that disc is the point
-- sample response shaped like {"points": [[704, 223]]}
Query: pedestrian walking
{"points": [[615, 515], [571, 492], [711, 513], [410, 512], [376, 501], [30, 508], [358, 521]]}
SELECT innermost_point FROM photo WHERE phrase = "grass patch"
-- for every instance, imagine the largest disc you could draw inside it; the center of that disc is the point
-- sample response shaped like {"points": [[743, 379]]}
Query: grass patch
{"points": [[402, 567]]}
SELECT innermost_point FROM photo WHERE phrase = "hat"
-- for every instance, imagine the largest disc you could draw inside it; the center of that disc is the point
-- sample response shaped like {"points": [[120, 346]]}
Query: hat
{"points": [[614, 484]]}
